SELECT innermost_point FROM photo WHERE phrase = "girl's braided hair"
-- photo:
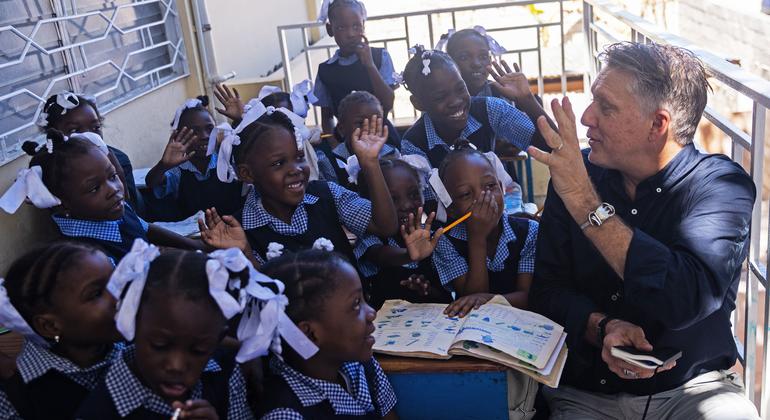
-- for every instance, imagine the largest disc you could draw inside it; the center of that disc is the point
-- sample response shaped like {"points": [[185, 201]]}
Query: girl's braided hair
{"points": [[461, 148], [413, 72], [310, 277], [252, 133], [55, 164]]}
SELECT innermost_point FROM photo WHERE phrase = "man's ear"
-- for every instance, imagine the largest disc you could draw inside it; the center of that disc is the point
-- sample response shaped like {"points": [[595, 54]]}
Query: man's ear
{"points": [[47, 325], [661, 125], [418, 105], [244, 173], [329, 30]]}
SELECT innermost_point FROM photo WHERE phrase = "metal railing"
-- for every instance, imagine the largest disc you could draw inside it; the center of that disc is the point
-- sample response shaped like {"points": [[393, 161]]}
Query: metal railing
{"points": [[739, 82], [414, 31]]}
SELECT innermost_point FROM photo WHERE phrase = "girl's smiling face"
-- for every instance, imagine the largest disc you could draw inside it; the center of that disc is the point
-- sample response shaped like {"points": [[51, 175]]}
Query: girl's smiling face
{"points": [[405, 191], [445, 98], [471, 53], [465, 179], [277, 169], [91, 189]]}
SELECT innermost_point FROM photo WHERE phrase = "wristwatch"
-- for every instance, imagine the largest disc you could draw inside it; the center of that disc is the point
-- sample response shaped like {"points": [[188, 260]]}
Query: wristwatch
{"points": [[601, 328], [598, 216]]}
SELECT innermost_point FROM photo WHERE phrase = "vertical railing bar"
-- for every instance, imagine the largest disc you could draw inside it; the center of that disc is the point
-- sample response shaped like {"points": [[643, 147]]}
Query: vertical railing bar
{"points": [[540, 86], [285, 58], [587, 21], [430, 31], [758, 143], [309, 67], [454, 21]]}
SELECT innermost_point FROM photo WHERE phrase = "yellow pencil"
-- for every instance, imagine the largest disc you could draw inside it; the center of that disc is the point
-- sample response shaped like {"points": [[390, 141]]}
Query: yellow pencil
{"points": [[458, 221]]}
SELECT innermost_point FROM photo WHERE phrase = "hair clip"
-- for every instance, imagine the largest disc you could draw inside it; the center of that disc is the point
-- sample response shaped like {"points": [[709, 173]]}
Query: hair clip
{"points": [[190, 103], [426, 63], [28, 184]]}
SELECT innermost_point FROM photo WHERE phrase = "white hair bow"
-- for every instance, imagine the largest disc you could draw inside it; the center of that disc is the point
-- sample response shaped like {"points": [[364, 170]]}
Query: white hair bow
{"points": [[190, 103], [67, 100], [323, 14], [494, 47], [426, 63], [131, 272], [441, 44], [420, 164], [223, 129], [265, 322], [12, 319], [28, 184], [218, 269], [94, 138], [444, 200], [299, 92]]}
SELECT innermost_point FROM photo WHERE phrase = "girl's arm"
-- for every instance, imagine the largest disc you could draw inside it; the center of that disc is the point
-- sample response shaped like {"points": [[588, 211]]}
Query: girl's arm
{"points": [[418, 241], [382, 91], [174, 155], [163, 237], [517, 299], [367, 143], [387, 256]]}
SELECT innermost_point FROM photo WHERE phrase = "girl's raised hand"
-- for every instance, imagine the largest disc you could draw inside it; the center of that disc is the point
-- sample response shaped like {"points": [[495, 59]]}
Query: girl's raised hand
{"points": [[486, 215], [369, 139], [176, 151], [512, 84], [465, 304], [417, 238], [231, 100], [417, 283], [223, 232], [196, 410]]}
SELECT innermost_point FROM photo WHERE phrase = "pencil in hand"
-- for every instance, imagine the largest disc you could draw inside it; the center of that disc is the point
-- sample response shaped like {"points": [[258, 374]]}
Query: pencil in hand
{"points": [[458, 221]]}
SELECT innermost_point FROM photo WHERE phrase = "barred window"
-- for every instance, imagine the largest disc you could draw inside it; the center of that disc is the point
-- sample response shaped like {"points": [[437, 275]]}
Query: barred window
{"points": [[113, 50]]}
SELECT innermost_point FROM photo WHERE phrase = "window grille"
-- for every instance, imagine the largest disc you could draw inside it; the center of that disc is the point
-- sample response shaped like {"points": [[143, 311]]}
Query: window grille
{"points": [[113, 50]]}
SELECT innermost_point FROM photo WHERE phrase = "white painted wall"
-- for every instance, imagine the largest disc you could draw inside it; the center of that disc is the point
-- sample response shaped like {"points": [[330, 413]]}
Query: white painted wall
{"points": [[244, 33]]}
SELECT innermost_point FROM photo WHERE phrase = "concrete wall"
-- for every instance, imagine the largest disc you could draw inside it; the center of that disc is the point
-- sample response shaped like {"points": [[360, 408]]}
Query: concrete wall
{"points": [[244, 35]]}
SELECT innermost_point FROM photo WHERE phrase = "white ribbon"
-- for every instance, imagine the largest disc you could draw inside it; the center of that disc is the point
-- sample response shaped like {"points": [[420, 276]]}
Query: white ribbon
{"points": [[266, 91], [323, 244], [218, 269], [500, 172], [94, 138], [28, 184], [12, 319], [274, 250], [420, 164], [131, 271], [323, 14], [426, 63], [264, 322], [353, 168], [223, 129], [42, 119], [299, 92], [190, 103], [494, 47], [67, 100], [444, 200], [441, 44]]}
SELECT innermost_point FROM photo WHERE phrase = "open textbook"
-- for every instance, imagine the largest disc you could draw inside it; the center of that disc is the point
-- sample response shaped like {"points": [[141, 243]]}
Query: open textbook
{"points": [[522, 340]]}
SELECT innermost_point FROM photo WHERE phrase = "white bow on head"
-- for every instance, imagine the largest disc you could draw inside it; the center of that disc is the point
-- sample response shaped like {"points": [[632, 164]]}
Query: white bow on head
{"points": [[218, 269], [131, 272], [93, 138], [190, 103], [264, 322], [494, 47], [12, 319], [323, 14], [28, 184]]}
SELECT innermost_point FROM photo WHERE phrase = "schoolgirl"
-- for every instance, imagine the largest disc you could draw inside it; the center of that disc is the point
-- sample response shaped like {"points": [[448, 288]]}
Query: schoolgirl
{"points": [[56, 297]]}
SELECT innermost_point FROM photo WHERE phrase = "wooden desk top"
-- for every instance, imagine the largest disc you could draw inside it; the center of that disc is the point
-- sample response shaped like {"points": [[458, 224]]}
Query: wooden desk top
{"points": [[457, 364]]}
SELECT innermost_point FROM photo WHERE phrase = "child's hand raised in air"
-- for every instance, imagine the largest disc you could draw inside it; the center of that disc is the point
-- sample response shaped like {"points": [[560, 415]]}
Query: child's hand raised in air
{"points": [[465, 304], [231, 100], [514, 85], [417, 238], [417, 283], [486, 215], [369, 139], [223, 232], [176, 152], [196, 409]]}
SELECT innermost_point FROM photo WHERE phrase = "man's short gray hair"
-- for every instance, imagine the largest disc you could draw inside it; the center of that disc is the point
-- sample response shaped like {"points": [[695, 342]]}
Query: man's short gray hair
{"points": [[666, 77]]}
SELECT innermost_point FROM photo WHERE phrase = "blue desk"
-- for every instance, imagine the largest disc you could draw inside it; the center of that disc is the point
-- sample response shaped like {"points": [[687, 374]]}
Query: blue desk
{"points": [[459, 388]]}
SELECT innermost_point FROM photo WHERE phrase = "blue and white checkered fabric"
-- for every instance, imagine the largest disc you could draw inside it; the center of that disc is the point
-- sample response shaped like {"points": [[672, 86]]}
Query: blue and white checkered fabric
{"points": [[174, 176], [368, 268], [354, 212], [450, 265], [128, 394], [7, 410], [104, 230], [353, 402], [321, 91], [35, 361], [506, 121]]}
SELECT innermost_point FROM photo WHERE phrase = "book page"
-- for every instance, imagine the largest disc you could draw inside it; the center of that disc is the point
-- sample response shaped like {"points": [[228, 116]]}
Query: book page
{"points": [[524, 335], [419, 330]]}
